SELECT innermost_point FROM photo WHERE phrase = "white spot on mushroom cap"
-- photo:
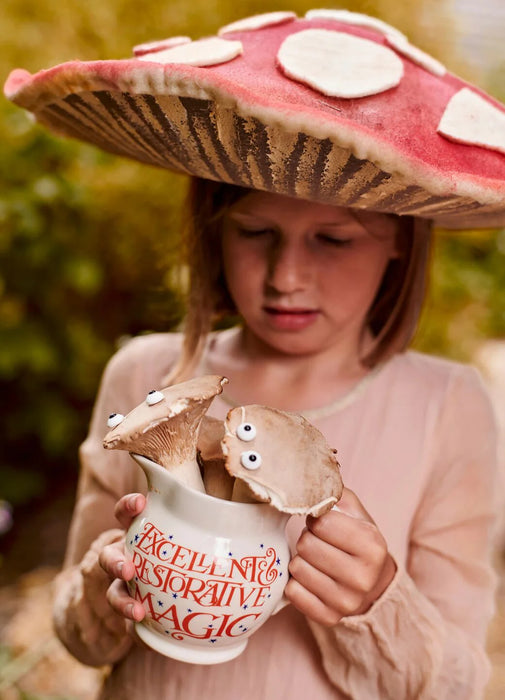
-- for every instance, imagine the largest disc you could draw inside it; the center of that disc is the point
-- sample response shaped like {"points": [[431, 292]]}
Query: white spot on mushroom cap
{"points": [[472, 120], [267, 19], [161, 45], [339, 64], [356, 18], [204, 52], [403, 46]]}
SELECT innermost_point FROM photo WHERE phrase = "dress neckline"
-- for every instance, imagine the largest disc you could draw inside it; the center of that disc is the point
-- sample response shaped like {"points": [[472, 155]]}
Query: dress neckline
{"points": [[352, 395]]}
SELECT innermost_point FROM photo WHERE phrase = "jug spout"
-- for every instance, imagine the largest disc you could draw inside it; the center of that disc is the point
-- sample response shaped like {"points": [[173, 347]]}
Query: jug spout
{"points": [[187, 473]]}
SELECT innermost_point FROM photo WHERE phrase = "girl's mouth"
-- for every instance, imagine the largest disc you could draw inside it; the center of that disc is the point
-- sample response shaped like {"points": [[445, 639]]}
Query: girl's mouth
{"points": [[290, 318]]}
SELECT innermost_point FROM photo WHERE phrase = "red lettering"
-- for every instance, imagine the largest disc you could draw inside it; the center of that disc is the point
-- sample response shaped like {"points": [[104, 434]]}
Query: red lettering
{"points": [[261, 594], [199, 563], [204, 632], [243, 627], [170, 615]]}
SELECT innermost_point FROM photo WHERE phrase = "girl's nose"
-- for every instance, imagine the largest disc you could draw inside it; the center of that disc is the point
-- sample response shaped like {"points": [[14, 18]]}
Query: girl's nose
{"points": [[287, 268]]}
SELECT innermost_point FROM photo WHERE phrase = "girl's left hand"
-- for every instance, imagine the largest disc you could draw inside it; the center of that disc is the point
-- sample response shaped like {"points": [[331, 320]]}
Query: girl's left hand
{"points": [[342, 565]]}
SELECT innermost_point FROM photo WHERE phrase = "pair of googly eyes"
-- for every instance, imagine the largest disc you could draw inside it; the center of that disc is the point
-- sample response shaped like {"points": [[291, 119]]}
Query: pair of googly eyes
{"points": [[250, 459], [152, 398]]}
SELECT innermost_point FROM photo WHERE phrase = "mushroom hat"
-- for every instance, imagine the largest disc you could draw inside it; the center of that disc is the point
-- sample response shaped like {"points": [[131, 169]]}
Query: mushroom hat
{"points": [[335, 107]]}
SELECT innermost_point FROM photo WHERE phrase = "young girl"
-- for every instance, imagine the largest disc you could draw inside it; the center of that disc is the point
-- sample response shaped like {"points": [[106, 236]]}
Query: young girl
{"points": [[392, 592]]}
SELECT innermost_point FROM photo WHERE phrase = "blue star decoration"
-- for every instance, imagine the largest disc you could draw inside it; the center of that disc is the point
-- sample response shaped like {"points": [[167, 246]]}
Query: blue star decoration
{"points": [[174, 595], [189, 610], [262, 545], [278, 561], [213, 640], [230, 554], [160, 603], [245, 606], [136, 538], [170, 537]]}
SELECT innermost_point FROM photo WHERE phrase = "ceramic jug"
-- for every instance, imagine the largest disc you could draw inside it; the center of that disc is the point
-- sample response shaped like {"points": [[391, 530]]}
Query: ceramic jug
{"points": [[209, 572]]}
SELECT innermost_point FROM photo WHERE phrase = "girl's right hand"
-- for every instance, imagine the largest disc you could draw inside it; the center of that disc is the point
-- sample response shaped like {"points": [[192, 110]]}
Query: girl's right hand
{"points": [[118, 567]]}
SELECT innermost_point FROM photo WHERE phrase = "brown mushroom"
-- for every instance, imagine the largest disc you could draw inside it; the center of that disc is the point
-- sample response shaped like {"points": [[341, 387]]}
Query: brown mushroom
{"points": [[165, 427], [217, 481], [283, 459]]}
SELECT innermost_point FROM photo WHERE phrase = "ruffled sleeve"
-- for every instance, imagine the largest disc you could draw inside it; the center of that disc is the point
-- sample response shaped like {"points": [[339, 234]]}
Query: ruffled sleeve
{"points": [[85, 623], [424, 639]]}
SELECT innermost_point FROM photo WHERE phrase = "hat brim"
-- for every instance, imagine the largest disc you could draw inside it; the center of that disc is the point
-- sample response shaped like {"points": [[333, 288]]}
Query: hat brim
{"points": [[244, 122]]}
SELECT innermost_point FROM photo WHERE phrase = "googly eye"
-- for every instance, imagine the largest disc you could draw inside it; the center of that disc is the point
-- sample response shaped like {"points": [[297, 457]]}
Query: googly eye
{"points": [[246, 432], [250, 460], [154, 397], [115, 419]]}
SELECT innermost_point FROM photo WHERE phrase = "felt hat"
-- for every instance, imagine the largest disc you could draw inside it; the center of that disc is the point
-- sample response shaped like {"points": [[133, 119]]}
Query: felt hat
{"points": [[336, 107]]}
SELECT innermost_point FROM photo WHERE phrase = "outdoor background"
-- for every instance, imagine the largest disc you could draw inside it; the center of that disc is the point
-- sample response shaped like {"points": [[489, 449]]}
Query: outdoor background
{"points": [[88, 244]]}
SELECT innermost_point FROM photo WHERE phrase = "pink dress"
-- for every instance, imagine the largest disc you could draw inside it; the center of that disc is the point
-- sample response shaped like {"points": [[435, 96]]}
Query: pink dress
{"points": [[417, 442]]}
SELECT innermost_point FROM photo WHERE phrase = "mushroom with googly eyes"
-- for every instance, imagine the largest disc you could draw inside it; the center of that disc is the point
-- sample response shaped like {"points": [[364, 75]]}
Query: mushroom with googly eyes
{"points": [[165, 427], [291, 467]]}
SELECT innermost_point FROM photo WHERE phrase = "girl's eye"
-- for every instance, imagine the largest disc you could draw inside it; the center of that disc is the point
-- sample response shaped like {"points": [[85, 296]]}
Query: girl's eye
{"points": [[339, 242], [253, 232]]}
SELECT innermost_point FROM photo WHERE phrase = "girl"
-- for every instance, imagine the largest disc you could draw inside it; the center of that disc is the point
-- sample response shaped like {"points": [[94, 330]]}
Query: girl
{"points": [[392, 592], [391, 595]]}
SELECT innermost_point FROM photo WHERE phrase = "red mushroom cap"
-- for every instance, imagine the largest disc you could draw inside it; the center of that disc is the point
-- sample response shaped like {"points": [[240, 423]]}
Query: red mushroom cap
{"points": [[243, 113]]}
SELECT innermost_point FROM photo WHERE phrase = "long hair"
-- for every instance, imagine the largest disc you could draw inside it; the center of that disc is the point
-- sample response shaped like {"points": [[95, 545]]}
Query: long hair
{"points": [[393, 316]]}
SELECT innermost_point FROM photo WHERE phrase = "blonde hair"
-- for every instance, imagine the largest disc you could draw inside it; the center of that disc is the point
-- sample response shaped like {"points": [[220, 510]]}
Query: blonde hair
{"points": [[393, 316]]}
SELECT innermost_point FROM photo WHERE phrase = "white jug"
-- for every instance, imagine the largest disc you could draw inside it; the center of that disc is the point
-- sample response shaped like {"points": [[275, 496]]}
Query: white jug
{"points": [[209, 572]]}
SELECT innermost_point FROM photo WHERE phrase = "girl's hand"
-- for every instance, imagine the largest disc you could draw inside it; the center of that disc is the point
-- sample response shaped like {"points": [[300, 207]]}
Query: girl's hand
{"points": [[342, 565], [118, 567]]}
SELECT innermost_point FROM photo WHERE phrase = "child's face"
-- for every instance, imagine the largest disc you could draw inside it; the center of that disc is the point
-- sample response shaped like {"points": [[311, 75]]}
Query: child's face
{"points": [[303, 275]]}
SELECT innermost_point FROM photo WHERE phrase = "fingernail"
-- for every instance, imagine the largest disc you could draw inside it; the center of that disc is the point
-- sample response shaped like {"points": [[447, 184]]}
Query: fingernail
{"points": [[129, 611], [119, 568], [132, 502]]}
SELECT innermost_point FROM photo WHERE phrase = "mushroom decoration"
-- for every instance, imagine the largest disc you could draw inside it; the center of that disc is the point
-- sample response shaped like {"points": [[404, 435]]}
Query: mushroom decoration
{"points": [[165, 427], [335, 107], [217, 481], [257, 454], [283, 460]]}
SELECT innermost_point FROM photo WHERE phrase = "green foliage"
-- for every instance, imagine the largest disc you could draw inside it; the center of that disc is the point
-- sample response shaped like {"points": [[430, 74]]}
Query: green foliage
{"points": [[466, 300], [88, 241]]}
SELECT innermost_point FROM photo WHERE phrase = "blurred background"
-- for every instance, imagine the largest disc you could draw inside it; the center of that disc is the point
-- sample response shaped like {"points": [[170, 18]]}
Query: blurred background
{"points": [[88, 244]]}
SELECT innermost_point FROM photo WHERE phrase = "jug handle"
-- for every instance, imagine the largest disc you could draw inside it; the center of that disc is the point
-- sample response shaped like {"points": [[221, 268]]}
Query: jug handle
{"points": [[280, 605]]}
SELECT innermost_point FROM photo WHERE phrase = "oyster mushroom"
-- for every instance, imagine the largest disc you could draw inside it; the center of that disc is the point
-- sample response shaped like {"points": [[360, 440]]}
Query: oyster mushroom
{"points": [[165, 427], [217, 481], [283, 459]]}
